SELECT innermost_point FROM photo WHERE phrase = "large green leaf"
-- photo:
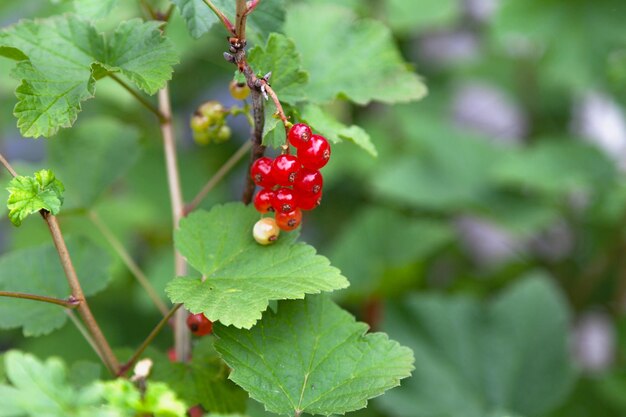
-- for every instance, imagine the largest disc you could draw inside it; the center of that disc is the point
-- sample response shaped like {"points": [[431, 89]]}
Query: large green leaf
{"points": [[348, 57], [41, 389], [266, 18], [203, 380], [28, 195], [377, 240], [429, 14], [60, 59], [312, 357], [241, 275], [279, 56], [37, 270], [91, 157], [509, 356]]}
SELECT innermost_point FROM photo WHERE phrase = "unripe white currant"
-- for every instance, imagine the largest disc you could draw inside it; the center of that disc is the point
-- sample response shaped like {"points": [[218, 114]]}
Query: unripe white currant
{"points": [[266, 231]]}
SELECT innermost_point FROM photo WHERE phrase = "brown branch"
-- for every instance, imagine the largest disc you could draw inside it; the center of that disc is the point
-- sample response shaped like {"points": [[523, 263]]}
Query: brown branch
{"points": [[182, 337], [70, 302], [128, 261], [217, 177], [153, 334], [77, 292]]}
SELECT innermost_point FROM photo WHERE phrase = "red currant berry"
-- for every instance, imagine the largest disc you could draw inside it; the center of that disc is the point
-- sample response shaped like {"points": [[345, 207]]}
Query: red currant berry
{"points": [[285, 200], [199, 324], [309, 202], [285, 169], [265, 231], [309, 182], [263, 200], [195, 411], [171, 354], [261, 172], [299, 135], [289, 221], [316, 154]]}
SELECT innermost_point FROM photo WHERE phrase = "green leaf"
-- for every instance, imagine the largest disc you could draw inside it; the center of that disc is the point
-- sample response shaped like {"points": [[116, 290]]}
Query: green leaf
{"points": [[279, 56], [557, 167], [94, 9], [432, 14], [312, 357], [19, 272], [157, 400], [202, 381], [348, 57], [335, 131], [28, 195], [83, 158], [266, 18], [509, 356], [358, 252], [54, 84], [41, 389], [241, 275]]}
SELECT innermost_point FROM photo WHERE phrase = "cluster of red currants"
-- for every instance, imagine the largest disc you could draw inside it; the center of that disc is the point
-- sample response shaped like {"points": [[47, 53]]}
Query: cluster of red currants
{"points": [[292, 183]]}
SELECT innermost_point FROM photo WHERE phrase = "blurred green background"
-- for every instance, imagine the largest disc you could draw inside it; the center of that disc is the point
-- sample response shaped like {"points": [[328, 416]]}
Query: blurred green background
{"points": [[488, 235]]}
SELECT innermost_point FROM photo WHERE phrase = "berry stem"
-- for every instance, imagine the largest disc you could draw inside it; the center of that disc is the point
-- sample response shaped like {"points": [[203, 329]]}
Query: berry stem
{"points": [[225, 21], [69, 302], [153, 334], [7, 166], [182, 338], [279, 108], [218, 176], [144, 102], [132, 266]]}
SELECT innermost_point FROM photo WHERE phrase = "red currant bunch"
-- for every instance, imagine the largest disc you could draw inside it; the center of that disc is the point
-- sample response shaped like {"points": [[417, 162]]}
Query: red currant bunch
{"points": [[292, 183]]}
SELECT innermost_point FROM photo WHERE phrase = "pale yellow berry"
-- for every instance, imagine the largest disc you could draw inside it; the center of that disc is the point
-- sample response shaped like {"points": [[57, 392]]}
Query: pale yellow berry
{"points": [[266, 231]]}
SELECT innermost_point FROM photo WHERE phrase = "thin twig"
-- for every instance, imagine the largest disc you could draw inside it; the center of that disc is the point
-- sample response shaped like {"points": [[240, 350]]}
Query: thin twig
{"points": [[139, 97], [153, 334], [182, 337], [217, 177], [128, 260], [83, 331], [77, 292], [240, 20], [7, 166], [67, 303], [220, 15]]}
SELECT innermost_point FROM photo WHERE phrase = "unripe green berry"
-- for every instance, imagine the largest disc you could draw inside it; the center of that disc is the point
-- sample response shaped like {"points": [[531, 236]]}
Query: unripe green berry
{"points": [[239, 91], [222, 134]]}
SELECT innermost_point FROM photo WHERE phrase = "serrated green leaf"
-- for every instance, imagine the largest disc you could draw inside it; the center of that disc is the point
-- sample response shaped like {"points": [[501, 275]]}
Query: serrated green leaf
{"points": [[41, 389], [514, 350], [94, 9], [37, 270], [158, 400], [241, 275], [279, 56], [358, 252], [336, 131], [83, 157], [348, 57], [202, 381], [266, 18], [28, 195], [312, 357], [54, 83]]}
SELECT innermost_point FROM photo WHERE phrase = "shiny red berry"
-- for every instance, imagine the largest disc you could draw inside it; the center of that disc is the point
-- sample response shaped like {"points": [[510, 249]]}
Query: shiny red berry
{"points": [[285, 200], [316, 153], [299, 135], [263, 200], [289, 221], [309, 182], [261, 172], [285, 169], [199, 324], [309, 202]]}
